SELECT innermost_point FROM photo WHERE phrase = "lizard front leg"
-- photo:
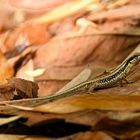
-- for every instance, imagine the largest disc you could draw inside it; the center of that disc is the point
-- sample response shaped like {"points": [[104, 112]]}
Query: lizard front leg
{"points": [[91, 89]]}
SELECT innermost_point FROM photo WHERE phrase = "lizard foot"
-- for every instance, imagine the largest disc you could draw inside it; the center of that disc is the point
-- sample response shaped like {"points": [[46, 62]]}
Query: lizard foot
{"points": [[125, 80], [91, 90]]}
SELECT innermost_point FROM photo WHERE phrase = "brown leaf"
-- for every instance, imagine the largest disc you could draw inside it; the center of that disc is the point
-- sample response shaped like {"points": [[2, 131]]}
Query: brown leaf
{"points": [[100, 121], [23, 137], [22, 72], [36, 33], [117, 129], [70, 8], [38, 7], [121, 125], [27, 89], [114, 123], [131, 10], [98, 135], [6, 70], [4, 121], [18, 88], [98, 102]]}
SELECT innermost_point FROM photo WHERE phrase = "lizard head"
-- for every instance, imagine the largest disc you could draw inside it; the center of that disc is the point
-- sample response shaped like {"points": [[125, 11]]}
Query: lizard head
{"points": [[134, 59]]}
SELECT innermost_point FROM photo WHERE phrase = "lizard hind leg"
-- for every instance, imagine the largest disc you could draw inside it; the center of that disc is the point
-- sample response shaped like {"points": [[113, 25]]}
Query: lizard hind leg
{"points": [[122, 80], [125, 80], [91, 90]]}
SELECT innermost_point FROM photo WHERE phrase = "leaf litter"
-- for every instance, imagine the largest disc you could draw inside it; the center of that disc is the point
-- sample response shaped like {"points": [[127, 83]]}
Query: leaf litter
{"points": [[90, 37]]}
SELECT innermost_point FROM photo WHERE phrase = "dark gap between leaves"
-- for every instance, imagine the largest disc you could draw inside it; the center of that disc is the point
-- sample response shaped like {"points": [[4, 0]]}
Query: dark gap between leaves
{"points": [[49, 128]]}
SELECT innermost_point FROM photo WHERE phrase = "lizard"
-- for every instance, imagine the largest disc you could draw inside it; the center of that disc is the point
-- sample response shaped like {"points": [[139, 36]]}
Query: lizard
{"points": [[109, 80], [105, 81]]}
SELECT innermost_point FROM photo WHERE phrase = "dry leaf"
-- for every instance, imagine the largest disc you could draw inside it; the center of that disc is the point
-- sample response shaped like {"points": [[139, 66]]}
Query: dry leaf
{"points": [[26, 89], [23, 137], [82, 36], [18, 88], [22, 72], [69, 8], [38, 6], [22, 63], [97, 135], [35, 30], [6, 70], [81, 77], [4, 121], [131, 10], [35, 73], [98, 102]]}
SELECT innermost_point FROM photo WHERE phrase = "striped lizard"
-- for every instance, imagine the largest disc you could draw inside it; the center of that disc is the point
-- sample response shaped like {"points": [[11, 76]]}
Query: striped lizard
{"points": [[105, 81], [109, 80]]}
